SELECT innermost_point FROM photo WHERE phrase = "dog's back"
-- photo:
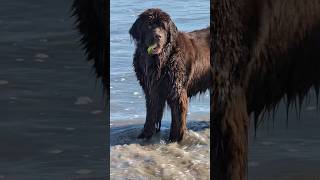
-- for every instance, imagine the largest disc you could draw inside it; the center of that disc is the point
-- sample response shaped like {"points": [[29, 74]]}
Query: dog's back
{"points": [[199, 77]]}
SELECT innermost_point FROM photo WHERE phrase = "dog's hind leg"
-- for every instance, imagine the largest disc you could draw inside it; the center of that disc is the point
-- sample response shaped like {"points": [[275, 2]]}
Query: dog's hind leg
{"points": [[230, 138]]}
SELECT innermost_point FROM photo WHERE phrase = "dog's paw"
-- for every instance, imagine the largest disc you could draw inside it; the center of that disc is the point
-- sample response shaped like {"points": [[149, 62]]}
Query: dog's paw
{"points": [[141, 136], [176, 137], [145, 135], [157, 130]]}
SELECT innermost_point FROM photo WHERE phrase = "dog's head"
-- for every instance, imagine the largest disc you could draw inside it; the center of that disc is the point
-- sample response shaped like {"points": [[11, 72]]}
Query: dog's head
{"points": [[153, 30]]}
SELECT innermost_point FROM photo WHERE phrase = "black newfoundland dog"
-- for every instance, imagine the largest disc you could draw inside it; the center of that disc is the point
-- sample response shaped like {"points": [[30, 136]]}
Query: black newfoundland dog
{"points": [[170, 66], [262, 51]]}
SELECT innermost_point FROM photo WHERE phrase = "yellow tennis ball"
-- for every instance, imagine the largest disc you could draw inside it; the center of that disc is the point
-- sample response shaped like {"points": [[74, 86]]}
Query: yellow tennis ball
{"points": [[149, 50]]}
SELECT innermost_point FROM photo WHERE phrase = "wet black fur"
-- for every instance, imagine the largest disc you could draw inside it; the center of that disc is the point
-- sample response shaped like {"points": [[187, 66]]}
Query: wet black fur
{"points": [[262, 51]]}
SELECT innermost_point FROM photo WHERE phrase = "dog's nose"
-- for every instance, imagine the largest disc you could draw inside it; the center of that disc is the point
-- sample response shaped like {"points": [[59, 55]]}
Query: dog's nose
{"points": [[157, 36]]}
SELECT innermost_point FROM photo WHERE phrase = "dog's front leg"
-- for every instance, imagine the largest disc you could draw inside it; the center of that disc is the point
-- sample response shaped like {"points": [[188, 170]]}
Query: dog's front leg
{"points": [[179, 108], [155, 106], [159, 113]]}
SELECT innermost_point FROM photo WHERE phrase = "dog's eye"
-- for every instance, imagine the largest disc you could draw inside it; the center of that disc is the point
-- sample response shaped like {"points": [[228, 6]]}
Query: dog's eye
{"points": [[149, 27]]}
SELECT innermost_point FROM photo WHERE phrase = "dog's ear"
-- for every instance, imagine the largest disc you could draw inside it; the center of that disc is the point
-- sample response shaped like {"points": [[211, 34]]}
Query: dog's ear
{"points": [[135, 30], [173, 31]]}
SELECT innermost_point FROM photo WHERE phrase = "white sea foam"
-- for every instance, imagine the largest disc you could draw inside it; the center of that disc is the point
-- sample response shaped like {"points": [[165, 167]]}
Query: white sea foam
{"points": [[156, 158], [83, 101]]}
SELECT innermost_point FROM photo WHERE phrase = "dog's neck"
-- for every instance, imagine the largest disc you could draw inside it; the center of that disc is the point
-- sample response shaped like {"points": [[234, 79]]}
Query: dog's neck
{"points": [[157, 63], [167, 52]]}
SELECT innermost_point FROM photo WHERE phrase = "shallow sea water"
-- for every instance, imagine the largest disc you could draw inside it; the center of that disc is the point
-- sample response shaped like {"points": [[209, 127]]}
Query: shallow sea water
{"points": [[52, 121]]}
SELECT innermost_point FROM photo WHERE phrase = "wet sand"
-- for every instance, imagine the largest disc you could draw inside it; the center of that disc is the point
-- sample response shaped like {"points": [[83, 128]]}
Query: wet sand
{"points": [[52, 121]]}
